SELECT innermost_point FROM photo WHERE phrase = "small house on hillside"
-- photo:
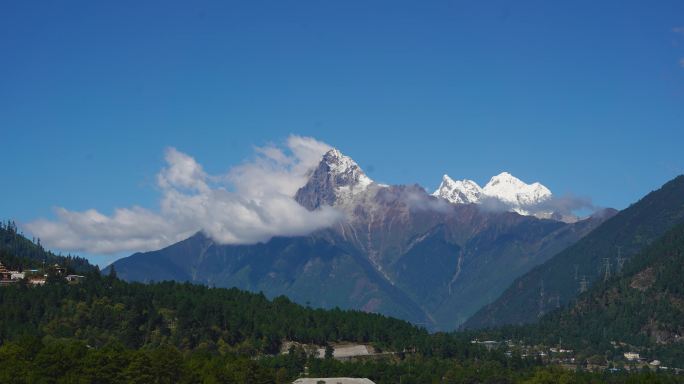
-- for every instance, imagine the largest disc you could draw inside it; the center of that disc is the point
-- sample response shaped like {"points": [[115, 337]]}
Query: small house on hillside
{"points": [[4, 273], [74, 278], [57, 270], [37, 280], [8, 277], [631, 356]]}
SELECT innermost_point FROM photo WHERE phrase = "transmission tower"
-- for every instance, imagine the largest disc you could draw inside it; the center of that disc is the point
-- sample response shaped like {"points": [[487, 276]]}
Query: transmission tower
{"points": [[583, 284], [541, 300], [620, 261], [606, 275]]}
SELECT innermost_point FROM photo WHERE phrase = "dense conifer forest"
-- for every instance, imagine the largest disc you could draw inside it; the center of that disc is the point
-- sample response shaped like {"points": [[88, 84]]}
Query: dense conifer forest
{"points": [[104, 330]]}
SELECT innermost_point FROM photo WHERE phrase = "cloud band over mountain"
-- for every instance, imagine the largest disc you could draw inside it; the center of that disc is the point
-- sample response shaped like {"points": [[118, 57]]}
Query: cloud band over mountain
{"points": [[252, 202], [259, 199]]}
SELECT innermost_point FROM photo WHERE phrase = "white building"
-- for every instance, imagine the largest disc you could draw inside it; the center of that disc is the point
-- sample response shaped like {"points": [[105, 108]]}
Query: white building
{"points": [[631, 356]]}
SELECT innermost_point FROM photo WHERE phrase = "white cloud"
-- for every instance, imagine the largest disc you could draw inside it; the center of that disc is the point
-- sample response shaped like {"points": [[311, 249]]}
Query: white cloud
{"points": [[252, 202]]}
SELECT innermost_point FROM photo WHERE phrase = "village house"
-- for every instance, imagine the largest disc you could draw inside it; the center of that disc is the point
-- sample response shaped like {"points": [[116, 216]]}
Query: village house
{"points": [[631, 356], [9, 277], [57, 270], [35, 276], [17, 275], [74, 278], [37, 280], [489, 344]]}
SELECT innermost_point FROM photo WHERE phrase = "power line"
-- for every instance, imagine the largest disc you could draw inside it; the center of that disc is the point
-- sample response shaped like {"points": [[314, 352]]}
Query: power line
{"points": [[606, 276], [620, 260], [541, 300]]}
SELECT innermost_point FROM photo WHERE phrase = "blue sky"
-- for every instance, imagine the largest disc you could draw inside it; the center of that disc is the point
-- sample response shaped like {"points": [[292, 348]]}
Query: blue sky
{"points": [[586, 98]]}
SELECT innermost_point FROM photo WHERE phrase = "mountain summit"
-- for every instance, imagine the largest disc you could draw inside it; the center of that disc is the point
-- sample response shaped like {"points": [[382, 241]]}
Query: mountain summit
{"points": [[337, 179], [515, 192], [504, 188], [459, 191]]}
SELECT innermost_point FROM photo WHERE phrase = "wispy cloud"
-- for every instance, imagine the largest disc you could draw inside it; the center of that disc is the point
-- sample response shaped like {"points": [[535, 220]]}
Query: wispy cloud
{"points": [[252, 202], [565, 205]]}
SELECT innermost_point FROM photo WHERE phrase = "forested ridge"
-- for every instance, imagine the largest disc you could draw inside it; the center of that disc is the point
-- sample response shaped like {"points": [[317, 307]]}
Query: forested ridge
{"points": [[21, 253], [104, 330], [640, 309], [623, 235], [643, 307], [103, 309]]}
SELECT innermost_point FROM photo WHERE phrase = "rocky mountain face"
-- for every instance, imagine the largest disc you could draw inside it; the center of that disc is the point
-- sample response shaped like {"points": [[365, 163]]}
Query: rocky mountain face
{"points": [[400, 251], [598, 256], [459, 191], [336, 180]]}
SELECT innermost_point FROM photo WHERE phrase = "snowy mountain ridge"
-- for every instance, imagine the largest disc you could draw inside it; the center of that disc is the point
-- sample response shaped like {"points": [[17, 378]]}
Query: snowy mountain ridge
{"points": [[505, 188], [339, 181]]}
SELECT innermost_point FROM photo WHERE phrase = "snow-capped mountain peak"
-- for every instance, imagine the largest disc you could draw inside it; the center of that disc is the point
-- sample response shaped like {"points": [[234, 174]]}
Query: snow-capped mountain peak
{"points": [[346, 171], [504, 178], [514, 193], [459, 191], [336, 180], [339, 181]]}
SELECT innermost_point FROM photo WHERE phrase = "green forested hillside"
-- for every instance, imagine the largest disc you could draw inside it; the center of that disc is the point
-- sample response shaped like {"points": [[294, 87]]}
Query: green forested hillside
{"points": [[104, 309], [19, 252], [104, 330], [557, 281], [641, 309]]}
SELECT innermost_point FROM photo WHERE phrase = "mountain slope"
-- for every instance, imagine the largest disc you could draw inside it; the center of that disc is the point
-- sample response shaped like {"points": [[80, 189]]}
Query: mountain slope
{"points": [[642, 309], [319, 269], [398, 251], [432, 268], [556, 281]]}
